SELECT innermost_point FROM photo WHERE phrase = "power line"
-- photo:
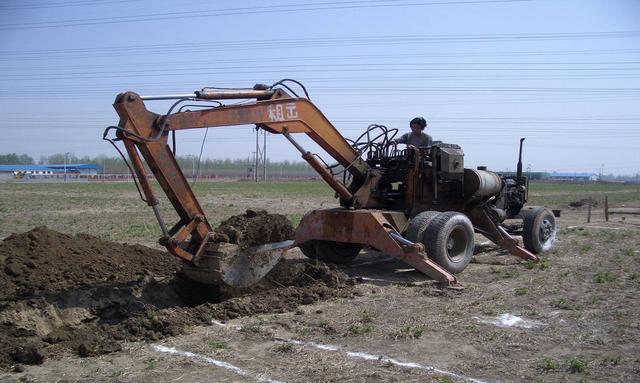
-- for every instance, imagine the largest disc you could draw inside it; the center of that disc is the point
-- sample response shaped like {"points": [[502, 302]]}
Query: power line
{"points": [[365, 58], [66, 4], [280, 71], [328, 66], [271, 44], [289, 8]]}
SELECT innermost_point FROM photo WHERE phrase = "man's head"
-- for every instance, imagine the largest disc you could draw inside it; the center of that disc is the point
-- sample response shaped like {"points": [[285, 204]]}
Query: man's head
{"points": [[417, 125]]}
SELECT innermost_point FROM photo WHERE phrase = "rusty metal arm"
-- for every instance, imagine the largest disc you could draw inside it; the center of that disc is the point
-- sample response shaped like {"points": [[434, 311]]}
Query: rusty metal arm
{"points": [[293, 115], [146, 133], [136, 130], [483, 224], [369, 227]]}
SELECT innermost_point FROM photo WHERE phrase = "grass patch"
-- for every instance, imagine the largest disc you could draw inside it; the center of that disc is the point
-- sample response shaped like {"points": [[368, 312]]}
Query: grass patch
{"points": [[410, 331], [604, 277], [151, 363], [564, 304], [521, 291], [576, 364], [585, 248], [217, 345], [510, 272], [360, 328], [472, 328], [612, 360], [542, 264], [366, 316], [549, 364], [253, 326]]}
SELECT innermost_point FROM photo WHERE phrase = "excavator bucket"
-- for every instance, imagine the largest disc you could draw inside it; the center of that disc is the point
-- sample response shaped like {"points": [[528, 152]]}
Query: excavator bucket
{"points": [[229, 264]]}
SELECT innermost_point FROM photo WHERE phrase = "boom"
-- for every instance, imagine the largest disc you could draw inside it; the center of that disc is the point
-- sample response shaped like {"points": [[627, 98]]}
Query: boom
{"points": [[273, 110]]}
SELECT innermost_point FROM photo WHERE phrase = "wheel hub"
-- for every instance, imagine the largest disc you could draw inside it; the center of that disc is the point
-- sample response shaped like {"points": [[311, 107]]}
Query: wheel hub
{"points": [[546, 230], [450, 243]]}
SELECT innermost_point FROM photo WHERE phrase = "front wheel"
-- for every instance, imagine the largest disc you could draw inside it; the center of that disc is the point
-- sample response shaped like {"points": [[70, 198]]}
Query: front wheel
{"points": [[331, 251], [538, 230], [449, 241], [418, 224]]}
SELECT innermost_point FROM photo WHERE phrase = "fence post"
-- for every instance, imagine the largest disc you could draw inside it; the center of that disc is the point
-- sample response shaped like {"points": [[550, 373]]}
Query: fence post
{"points": [[606, 208], [589, 211]]}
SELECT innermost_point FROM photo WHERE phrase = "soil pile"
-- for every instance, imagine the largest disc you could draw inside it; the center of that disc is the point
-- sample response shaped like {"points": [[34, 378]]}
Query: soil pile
{"points": [[79, 294], [584, 202], [42, 260], [255, 227]]}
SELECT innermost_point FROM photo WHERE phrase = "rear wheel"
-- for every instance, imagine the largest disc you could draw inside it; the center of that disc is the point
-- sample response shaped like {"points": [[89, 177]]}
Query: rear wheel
{"points": [[538, 230], [449, 241], [418, 225], [331, 251]]}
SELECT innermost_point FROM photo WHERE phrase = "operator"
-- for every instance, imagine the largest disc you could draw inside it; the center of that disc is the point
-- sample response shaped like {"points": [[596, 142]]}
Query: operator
{"points": [[417, 137]]}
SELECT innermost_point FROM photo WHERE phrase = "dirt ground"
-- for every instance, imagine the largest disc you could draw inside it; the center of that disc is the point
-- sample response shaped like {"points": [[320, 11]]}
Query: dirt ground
{"points": [[115, 312]]}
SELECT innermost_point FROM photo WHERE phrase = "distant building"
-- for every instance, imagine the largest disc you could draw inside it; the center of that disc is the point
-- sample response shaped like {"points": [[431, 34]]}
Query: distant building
{"points": [[48, 171], [529, 175], [575, 177]]}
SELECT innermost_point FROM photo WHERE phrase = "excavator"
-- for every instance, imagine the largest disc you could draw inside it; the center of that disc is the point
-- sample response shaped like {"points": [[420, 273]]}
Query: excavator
{"points": [[416, 204]]}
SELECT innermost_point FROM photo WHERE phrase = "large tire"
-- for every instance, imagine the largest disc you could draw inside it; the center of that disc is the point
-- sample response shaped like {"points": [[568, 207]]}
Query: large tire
{"points": [[331, 251], [538, 230], [418, 225], [309, 249], [449, 241]]}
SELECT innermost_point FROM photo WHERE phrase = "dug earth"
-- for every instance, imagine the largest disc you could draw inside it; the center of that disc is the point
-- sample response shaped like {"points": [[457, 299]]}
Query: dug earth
{"points": [[79, 294]]}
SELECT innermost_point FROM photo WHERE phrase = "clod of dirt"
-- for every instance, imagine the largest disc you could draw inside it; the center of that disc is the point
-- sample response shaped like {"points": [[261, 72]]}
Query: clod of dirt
{"points": [[28, 355], [81, 294], [583, 202], [255, 227]]}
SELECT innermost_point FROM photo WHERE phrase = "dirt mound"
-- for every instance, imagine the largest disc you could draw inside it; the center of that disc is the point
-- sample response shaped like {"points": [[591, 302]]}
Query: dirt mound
{"points": [[255, 227], [64, 293], [43, 260], [584, 202]]}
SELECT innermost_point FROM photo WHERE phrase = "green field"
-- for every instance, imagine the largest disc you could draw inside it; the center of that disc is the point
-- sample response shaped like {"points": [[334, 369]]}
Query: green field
{"points": [[114, 211]]}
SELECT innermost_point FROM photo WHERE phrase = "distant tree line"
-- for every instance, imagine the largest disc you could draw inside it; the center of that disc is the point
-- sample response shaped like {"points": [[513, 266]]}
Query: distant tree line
{"points": [[189, 164]]}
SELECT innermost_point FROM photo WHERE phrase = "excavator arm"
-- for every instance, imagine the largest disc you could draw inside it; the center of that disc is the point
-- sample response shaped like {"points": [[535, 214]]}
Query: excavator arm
{"points": [[145, 134]]}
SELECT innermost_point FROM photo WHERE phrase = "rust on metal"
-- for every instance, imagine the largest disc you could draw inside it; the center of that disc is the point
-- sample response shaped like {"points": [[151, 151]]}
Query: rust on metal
{"points": [[368, 227]]}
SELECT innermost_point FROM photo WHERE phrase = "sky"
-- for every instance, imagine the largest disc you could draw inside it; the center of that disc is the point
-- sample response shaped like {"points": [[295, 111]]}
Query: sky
{"points": [[564, 74]]}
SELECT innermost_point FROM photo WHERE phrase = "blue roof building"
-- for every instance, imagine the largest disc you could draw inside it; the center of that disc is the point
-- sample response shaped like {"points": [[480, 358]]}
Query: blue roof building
{"points": [[49, 170], [572, 176]]}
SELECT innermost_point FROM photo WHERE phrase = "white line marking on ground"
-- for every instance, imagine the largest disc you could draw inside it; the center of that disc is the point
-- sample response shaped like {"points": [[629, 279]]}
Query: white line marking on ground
{"points": [[601, 227], [380, 358], [509, 320], [211, 361]]}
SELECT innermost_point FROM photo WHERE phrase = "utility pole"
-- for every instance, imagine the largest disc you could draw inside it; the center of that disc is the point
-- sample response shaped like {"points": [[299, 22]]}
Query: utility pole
{"points": [[264, 155], [260, 155], [600, 174], [65, 166], [257, 159], [193, 168]]}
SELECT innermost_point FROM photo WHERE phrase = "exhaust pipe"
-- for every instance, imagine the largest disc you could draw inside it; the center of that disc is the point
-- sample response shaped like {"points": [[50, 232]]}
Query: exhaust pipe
{"points": [[519, 171]]}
